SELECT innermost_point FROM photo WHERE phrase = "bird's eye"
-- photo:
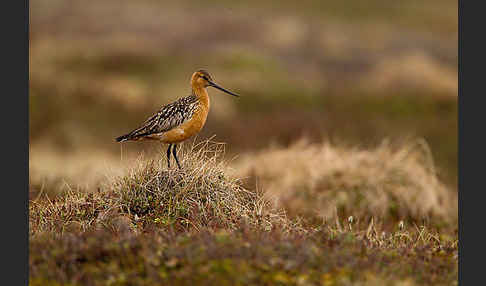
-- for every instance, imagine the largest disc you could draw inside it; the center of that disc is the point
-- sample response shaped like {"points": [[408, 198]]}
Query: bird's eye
{"points": [[204, 77]]}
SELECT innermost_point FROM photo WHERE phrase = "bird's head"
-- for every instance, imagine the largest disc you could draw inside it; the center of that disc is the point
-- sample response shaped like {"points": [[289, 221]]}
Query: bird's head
{"points": [[202, 79]]}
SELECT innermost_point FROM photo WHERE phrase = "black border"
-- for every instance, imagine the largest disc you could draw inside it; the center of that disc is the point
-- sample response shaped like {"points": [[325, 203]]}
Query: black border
{"points": [[15, 131], [16, 83], [470, 186]]}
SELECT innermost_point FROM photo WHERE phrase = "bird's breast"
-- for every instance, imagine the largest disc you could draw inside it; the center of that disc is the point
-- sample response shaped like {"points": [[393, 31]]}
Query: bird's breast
{"points": [[188, 128]]}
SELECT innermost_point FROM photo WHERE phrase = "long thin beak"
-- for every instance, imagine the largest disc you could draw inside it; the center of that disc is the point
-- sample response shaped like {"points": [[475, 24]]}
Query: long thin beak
{"points": [[222, 89]]}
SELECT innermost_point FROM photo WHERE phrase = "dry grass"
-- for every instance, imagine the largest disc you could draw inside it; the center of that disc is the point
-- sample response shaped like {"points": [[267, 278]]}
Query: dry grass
{"points": [[199, 225], [200, 195], [318, 179]]}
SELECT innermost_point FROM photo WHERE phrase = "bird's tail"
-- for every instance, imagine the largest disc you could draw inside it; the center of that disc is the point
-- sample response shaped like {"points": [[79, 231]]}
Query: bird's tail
{"points": [[122, 138]]}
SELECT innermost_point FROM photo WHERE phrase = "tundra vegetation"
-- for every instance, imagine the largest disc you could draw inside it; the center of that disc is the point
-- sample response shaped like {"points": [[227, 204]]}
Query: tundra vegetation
{"points": [[339, 161]]}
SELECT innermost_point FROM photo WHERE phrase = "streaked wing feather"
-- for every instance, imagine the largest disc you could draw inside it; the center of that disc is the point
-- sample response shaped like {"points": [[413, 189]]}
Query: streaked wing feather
{"points": [[168, 117]]}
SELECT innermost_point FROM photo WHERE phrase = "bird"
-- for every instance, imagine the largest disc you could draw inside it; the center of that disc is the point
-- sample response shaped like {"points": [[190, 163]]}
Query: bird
{"points": [[179, 120]]}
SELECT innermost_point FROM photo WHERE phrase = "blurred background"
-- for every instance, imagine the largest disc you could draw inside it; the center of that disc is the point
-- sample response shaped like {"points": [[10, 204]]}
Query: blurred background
{"points": [[350, 72]]}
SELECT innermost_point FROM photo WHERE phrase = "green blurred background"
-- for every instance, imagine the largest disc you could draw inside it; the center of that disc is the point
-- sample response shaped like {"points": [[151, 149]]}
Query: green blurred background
{"points": [[352, 72]]}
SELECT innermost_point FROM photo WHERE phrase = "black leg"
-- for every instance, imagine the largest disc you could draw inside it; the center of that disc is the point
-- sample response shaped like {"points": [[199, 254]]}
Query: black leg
{"points": [[175, 155], [168, 156]]}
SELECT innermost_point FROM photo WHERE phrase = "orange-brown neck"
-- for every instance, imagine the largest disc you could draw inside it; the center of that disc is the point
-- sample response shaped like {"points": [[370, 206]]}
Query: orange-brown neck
{"points": [[202, 95]]}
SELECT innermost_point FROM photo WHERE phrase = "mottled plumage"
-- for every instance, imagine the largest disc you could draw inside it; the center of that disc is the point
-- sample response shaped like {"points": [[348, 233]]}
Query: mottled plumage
{"points": [[179, 120], [168, 117]]}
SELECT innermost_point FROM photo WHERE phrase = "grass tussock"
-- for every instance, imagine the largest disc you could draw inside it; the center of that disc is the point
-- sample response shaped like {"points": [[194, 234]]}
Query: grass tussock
{"points": [[201, 195], [318, 180]]}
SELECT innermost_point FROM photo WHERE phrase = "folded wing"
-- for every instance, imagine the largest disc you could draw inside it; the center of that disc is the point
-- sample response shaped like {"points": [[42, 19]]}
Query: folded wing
{"points": [[167, 118]]}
